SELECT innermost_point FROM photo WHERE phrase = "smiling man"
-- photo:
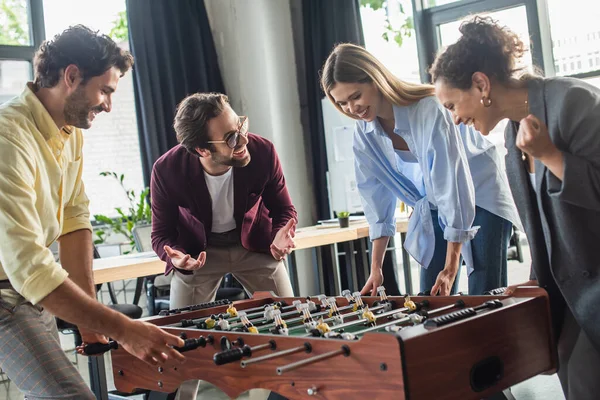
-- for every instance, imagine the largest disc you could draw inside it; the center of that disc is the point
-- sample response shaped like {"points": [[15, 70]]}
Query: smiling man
{"points": [[42, 199], [220, 205]]}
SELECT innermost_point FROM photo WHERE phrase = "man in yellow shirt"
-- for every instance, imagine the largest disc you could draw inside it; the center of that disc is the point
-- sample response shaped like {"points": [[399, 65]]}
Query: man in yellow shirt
{"points": [[42, 199]]}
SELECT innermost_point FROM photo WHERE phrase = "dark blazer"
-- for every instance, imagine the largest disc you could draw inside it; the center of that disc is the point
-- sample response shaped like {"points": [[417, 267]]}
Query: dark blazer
{"points": [[182, 208], [562, 219]]}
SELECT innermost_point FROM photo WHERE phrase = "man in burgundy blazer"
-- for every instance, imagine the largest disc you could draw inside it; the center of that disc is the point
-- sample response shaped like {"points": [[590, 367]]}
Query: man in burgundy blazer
{"points": [[220, 205]]}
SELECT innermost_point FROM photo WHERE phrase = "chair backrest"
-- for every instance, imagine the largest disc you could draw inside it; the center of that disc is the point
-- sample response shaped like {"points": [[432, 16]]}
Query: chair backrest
{"points": [[141, 236]]}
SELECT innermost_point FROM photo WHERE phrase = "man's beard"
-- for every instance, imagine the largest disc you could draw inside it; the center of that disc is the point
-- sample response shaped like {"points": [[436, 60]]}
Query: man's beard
{"points": [[230, 161], [77, 109]]}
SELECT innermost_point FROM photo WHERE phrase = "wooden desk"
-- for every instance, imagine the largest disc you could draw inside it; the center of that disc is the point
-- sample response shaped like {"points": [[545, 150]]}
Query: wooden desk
{"points": [[129, 266], [314, 237], [144, 264]]}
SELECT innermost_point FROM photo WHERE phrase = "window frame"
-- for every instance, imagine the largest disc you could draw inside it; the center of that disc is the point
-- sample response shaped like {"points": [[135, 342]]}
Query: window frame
{"points": [[427, 20], [37, 34]]}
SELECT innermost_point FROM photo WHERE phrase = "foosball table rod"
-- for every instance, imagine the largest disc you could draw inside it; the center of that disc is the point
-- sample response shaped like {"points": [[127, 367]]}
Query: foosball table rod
{"points": [[344, 350], [236, 354], [306, 347]]}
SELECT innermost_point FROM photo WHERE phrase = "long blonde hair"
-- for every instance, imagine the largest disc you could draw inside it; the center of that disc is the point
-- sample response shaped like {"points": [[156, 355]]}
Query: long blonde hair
{"points": [[349, 63]]}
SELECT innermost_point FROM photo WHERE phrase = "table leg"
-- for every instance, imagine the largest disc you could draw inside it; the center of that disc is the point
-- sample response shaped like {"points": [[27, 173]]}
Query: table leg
{"points": [[365, 271], [337, 282], [406, 266], [98, 377], [316, 251], [350, 264]]}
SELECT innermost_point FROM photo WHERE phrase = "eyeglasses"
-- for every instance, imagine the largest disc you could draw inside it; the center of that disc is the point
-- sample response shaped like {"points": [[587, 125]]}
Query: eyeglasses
{"points": [[233, 138]]}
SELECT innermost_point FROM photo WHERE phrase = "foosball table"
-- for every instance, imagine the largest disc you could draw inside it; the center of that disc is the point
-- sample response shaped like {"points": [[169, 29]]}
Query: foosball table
{"points": [[353, 347]]}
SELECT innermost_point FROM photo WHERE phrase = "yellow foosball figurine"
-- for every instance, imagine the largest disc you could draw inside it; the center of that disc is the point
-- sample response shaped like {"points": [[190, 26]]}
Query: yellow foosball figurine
{"points": [[408, 303], [323, 327], [248, 325], [232, 311]]}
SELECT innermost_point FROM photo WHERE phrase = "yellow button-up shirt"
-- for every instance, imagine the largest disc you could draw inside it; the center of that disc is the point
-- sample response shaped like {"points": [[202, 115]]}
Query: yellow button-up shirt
{"points": [[41, 194]]}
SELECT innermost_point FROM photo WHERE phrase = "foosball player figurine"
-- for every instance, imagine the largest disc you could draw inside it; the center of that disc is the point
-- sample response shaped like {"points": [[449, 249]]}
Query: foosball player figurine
{"points": [[334, 312], [232, 311], [383, 300], [222, 324], [322, 327], [248, 326], [359, 305], [280, 327], [369, 316], [269, 311], [408, 303], [348, 295], [307, 319]]}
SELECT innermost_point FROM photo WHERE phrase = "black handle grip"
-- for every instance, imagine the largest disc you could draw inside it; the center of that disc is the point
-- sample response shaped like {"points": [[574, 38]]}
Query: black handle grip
{"points": [[232, 355], [191, 344], [449, 318], [99, 348]]}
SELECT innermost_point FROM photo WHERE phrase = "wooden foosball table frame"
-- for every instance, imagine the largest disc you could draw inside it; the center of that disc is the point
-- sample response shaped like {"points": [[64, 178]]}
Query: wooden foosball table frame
{"points": [[470, 358]]}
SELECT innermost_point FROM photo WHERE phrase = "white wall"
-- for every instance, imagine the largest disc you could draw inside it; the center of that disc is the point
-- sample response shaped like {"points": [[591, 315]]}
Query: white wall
{"points": [[256, 54]]}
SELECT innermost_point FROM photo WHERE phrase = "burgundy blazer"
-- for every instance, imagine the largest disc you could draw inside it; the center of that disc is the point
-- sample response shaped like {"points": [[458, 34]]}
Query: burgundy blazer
{"points": [[182, 208]]}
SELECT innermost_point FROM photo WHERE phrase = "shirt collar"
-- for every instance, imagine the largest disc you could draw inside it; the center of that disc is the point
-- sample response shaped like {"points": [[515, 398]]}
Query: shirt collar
{"points": [[401, 123], [41, 116]]}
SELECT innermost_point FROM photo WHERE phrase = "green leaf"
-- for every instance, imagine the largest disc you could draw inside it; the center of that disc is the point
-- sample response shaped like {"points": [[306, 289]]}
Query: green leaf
{"points": [[103, 219], [374, 4], [398, 38]]}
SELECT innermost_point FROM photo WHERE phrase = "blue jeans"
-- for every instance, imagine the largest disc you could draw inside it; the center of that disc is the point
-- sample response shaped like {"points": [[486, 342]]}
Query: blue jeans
{"points": [[490, 247]]}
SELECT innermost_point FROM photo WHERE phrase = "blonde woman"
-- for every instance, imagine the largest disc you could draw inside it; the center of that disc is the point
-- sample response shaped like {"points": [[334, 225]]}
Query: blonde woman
{"points": [[406, 147]]}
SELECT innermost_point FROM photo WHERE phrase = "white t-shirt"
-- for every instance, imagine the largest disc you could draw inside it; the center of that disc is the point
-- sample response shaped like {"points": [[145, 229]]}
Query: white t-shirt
{"points": [[221, 193]]}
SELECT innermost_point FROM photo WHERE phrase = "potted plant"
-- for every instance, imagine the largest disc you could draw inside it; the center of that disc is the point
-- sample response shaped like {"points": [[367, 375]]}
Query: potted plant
{"points": [[344, 218], [139, 213]]}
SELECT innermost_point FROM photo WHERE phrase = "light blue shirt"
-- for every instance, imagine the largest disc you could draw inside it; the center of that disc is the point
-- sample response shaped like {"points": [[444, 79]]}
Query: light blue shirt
{"points": [[453, 168]]}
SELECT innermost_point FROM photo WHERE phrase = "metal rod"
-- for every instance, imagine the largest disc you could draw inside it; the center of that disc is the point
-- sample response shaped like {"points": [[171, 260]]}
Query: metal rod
{"points": [[318, 314], [458, 304], [306, 348], [262, 347], [345, 350], [360, 321], [431, 313], [350, 314], [376, 327]]}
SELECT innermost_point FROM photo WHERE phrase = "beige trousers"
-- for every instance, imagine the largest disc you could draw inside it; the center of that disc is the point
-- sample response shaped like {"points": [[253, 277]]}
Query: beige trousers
{"points": [[255, 271]]}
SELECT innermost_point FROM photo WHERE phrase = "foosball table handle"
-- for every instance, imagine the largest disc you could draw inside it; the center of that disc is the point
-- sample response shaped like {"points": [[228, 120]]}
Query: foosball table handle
{"points": [[192, 344], [232, 355], [92, 349]]}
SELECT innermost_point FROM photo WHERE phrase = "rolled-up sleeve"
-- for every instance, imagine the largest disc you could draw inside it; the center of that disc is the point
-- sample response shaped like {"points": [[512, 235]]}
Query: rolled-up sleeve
{"points": [[451, 180], [77, 213], [379, 203], [27, 262]]}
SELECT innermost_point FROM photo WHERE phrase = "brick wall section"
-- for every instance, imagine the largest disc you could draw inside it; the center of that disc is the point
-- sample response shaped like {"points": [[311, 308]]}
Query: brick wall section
{"points": [[112, 144]]}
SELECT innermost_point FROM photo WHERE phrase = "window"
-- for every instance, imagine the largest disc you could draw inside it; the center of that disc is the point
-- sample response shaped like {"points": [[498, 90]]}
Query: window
{"points": [[112, 143], [14, 23], [14, 74], [575, 21], [435, 3], [515, 18], [399, 55]]}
